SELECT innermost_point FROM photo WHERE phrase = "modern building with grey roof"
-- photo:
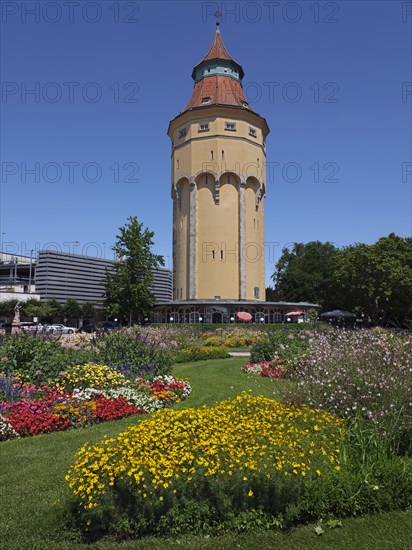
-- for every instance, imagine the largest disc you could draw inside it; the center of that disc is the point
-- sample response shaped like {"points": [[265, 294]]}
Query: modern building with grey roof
{"points": [[60, 276]]}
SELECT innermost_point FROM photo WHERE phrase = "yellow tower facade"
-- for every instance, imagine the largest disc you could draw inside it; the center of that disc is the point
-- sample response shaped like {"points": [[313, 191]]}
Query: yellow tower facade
{"points": [[218, 186]]}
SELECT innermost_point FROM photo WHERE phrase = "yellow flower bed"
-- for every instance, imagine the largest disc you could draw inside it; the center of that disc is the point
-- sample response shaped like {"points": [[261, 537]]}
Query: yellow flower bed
{"points": [[93, 376], [247, 434]]}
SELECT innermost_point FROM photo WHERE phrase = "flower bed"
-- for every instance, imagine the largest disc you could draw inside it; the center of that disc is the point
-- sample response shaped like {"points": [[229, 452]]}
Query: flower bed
{"points": [[250, 452], [268, 369], [201, 353], [28, 410]]}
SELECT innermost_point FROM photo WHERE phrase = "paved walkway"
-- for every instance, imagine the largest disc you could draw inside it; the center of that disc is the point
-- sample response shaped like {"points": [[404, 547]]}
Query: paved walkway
{"points": [[239, 353]]}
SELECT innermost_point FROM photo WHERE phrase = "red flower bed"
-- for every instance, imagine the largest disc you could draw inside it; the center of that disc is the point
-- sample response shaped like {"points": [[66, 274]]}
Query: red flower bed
{"points": [[34, 419], [40, 417], [114, 409]]}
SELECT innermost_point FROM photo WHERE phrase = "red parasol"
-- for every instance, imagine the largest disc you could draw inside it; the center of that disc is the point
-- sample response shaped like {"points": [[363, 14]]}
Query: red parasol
{"points": [[292, 313], [244, 316]]}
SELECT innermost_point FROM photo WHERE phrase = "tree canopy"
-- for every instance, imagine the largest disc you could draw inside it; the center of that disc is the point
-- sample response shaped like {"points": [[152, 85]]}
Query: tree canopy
{"points": [[374, 280], [305, 273], [127, 288]]}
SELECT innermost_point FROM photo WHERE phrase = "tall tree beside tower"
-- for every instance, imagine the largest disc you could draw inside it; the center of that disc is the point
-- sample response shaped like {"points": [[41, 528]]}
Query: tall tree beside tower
{"points": [[128, 292]]}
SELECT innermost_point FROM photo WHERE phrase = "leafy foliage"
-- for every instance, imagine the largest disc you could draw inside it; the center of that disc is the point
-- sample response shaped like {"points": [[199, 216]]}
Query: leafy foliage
{"points": [[127, 288], [377, 279], [133, 356], [305, 274], [38, 360], [280, 344], [374, 280], [365, 374], [41, 360]]}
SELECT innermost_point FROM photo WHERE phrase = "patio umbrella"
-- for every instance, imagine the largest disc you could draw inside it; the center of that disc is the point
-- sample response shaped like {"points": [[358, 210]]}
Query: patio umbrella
{"points": [[338, 313], [292, 313], [244, 316]]}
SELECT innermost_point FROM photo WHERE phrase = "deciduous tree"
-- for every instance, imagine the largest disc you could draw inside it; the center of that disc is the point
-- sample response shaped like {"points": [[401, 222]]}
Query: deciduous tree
{"points": [[376, 279], [305, 273], [128, 287]]}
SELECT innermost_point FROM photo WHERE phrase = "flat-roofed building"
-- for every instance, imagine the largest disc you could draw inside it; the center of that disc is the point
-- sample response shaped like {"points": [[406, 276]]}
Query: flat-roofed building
{"points": [[59, 276]]}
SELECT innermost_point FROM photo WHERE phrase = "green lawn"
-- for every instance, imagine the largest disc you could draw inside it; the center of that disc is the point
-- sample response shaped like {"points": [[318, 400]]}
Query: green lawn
{"points": [[32, 485]]}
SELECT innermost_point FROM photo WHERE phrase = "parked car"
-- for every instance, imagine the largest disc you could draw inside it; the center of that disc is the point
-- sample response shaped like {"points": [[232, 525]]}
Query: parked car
{"points": [[31, 327], [60, 329], [90, 327], [103, 326]]}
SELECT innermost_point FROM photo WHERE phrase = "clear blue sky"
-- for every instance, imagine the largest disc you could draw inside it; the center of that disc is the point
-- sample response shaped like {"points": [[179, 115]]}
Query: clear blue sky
{"points": [[331, 79]]}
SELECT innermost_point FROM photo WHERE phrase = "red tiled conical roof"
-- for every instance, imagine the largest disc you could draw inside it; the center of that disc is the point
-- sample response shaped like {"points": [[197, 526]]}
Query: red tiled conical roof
{"points": [[222, 90], [217, 89]]}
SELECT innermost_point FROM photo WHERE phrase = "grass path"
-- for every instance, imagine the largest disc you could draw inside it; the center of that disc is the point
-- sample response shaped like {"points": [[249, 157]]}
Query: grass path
{"points": [[32, 474]]}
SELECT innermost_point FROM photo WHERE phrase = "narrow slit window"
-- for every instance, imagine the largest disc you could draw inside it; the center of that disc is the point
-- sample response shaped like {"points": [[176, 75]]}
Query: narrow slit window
{"points": [[211, 155], [223, 155], [221, 254], [213, 254]]}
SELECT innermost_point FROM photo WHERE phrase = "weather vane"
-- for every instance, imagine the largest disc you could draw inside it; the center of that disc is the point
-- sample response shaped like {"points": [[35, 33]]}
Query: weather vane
{"points": [[218, 15]]}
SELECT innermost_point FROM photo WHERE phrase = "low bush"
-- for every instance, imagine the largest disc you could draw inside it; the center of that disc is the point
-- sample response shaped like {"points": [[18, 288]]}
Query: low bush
{"points": [[348, 493], [133, 354], [280, 344], [37, 360]]}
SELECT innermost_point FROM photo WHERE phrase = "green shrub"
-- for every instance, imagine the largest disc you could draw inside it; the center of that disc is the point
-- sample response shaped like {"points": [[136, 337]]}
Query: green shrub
{"points": [[36, 360], [282, 344], [206, 505], [347, 493], [133, 355]]}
